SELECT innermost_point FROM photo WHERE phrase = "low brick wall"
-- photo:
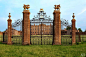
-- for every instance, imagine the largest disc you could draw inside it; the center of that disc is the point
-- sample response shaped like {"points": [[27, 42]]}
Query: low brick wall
{"points": [[1, 33], [81, 33]]}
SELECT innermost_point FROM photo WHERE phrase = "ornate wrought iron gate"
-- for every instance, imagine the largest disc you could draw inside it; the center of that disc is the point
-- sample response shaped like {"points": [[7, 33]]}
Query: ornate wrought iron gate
{"points": [[5, 37], [41, 29], [17, 32], [66, 35]]}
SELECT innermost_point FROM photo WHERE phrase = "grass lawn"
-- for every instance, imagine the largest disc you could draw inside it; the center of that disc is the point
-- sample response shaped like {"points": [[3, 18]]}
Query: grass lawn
{"points": [[42, 50]]}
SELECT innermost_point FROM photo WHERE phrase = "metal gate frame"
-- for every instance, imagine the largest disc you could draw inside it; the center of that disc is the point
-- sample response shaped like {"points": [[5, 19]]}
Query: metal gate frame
{"points": [[41, 31]]}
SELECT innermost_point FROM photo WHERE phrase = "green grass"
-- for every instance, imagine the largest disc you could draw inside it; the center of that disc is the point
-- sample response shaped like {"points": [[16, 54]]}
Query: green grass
{"points": [[42, 50]]}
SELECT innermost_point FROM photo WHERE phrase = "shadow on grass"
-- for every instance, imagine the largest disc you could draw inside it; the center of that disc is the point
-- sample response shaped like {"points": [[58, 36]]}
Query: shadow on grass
{"points": [[14, 44], [84, 42], [3, 43]]}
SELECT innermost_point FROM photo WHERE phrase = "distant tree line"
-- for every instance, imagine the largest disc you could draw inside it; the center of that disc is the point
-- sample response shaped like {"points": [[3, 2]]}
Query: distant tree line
{"points": [[80, 30]]}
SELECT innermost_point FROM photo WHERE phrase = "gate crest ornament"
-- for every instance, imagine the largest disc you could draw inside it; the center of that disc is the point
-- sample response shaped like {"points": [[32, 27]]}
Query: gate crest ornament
{"points": [[57, 6], [41, 16], [26, 7]]}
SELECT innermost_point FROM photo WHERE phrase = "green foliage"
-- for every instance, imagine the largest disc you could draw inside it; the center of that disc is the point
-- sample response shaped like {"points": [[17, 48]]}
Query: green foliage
{"points": [[79, 29], [68, 28], [85, 31], [76, 28]]}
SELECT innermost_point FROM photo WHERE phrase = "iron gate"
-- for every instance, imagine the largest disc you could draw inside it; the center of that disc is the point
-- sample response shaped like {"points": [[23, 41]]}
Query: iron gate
{"points": [[41, 29], [5, 36], [17, 32], [66, 34], [42, 33]]}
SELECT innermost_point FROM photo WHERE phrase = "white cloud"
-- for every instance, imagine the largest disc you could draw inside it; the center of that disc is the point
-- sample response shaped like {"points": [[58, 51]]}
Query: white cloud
{"points": [[3, 19], [82, 11]]}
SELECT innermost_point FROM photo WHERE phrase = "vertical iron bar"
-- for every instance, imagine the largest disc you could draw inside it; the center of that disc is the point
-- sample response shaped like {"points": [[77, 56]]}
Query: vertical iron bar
{"points": [[33, 41], [38, 41], [3, 37], [44, 41], [82, 39], [71, 41], [19, 40], [47, 41], [16, 41], [61, 39]]}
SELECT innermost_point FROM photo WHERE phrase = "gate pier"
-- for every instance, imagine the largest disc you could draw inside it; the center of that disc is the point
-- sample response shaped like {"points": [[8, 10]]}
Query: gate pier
{"points": [[73, 30], [9, 42], [57, 26], [26, 26]]}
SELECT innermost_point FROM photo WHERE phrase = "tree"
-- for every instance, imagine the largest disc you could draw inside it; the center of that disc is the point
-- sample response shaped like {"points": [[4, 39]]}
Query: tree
{"points": [[79, 29], [76, 28], [85, 30], [68, 28], [3, 31]]}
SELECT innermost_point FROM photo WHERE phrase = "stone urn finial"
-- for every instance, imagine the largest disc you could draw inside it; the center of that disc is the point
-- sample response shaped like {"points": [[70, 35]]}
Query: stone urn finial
{"points": [[73, 16], [9, 16]]}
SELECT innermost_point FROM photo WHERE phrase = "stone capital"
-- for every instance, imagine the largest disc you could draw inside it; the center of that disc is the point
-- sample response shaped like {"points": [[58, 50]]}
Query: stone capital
{"points": [[9, 20], [56, 10], [25, 10]]}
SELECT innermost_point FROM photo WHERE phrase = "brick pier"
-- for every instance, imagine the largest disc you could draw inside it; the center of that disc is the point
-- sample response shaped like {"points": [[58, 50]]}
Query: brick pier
{"points": [[9, 42], [26, 26], [57, 26], [73, 30]]}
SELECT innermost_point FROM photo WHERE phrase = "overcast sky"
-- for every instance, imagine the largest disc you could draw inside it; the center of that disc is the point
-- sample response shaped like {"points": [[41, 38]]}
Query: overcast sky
{"points": [[68, 7]]}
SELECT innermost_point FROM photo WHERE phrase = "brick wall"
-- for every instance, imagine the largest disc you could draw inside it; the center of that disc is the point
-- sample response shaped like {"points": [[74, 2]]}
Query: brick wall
{"points": [[67, 32], [1, 33], [46, 29], [14, 32], [36, 29]]}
